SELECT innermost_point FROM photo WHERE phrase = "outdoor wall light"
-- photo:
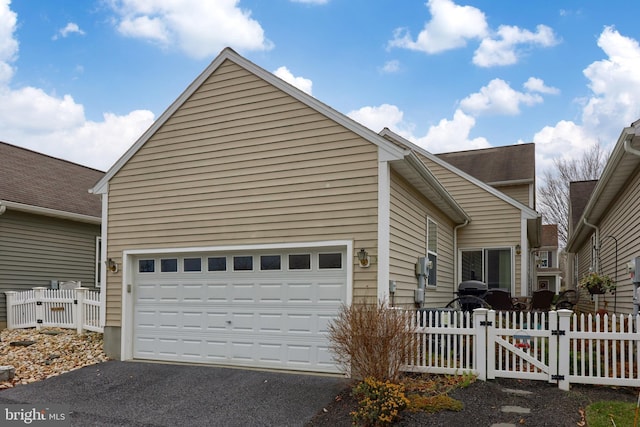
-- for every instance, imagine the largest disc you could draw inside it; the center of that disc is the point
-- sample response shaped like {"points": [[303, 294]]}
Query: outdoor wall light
{"points": [[518, 249], [112, 266], [364, 259]]}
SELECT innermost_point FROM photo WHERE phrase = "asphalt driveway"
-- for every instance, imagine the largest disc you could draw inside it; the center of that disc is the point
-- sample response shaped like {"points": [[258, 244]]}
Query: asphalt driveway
{"points": [[148, 394]]}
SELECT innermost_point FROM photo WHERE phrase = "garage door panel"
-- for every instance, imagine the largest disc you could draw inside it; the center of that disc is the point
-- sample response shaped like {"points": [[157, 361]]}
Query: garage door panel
{"points": [[275, 319]]}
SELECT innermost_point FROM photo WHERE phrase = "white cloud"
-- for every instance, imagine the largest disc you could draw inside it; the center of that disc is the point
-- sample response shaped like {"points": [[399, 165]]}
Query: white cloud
{"points": [[198, 28], [70, 28], [8, 44], [55, 125], [498, 98], [535, 84], [615, 85], [565, 139], [611, 106], [503, 50], [447, 135], [377, 118], [451, 26], [452, 135], [301, 83], [391, 67]]}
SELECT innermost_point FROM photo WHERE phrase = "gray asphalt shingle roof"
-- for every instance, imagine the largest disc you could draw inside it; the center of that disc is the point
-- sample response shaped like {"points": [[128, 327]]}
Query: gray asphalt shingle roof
{"points": [[35, 179], [497, 164]]}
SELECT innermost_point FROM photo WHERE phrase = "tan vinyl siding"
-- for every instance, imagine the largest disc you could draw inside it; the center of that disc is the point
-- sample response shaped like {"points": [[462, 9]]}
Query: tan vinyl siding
{"points": [[621, 221], [243, 163], [494, 222], [521, 193], [36, 249], [409, 212]]}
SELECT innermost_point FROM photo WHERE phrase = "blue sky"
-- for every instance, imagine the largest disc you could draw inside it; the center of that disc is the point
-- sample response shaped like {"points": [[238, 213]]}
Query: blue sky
{"points": [[82, 80]]}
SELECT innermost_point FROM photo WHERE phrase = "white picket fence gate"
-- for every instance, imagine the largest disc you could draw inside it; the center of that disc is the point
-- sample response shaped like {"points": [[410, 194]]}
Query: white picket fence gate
{"points": [[77, 308], [558, 346]]}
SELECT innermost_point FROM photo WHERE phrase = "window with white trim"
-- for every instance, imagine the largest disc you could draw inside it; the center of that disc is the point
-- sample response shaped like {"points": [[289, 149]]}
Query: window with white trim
{"points": [[493, 266], [432, 251], [544, 259]]}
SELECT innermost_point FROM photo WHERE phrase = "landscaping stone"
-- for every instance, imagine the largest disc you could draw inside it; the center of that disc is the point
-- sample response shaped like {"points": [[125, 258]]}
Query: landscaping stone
{"points": [[21, 343], [7, 373]]}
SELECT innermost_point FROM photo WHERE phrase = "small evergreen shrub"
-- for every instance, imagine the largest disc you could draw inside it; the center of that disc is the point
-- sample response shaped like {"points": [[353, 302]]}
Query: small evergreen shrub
{"points": [[379, 403]]}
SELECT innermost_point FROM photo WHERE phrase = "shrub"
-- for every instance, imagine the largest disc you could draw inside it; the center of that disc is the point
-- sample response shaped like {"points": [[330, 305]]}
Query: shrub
{"points": [[371, 340], [379, 403]]}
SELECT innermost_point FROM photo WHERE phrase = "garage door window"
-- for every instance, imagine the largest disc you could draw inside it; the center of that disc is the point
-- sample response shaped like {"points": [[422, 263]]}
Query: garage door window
{"points": [[146, 266], [169, 265], [242, 263], [270, 262], [218, 263], [330, 261], [300, 262], [192, 264]]}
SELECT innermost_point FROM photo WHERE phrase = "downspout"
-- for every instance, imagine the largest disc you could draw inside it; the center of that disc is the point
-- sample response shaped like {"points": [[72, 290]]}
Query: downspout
{"points": [[455, 252], [3, 208], [596, 261]]}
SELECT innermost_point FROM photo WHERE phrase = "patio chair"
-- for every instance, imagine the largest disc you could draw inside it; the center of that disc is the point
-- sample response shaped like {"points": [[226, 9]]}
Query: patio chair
{"points": [[500, 299], [567, 299], [541, 300]]}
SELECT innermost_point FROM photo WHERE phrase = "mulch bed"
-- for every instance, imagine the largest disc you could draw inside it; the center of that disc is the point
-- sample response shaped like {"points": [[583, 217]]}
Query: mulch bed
{"points": [[483, 401]]}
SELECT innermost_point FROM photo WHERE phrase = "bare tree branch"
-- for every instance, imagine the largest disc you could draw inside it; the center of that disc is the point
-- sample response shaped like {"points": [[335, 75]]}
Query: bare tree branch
{"points": [[553, 194]]}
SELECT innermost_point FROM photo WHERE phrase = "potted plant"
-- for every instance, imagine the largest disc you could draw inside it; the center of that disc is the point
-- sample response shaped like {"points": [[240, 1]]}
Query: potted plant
{"points": [[597, 284]]}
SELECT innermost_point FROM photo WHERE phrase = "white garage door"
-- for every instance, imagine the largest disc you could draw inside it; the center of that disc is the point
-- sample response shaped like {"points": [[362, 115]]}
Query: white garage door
{"points": [[261, 309]]}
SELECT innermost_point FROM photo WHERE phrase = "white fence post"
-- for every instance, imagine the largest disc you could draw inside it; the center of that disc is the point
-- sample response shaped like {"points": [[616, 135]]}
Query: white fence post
{"points": [[480, 342], [10, 304], [554, 338], [39, 294], [564, 324], [78, 309]]}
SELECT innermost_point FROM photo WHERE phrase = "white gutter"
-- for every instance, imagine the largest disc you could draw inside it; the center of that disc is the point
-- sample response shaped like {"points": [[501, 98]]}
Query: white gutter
{"points": [[4, 205], [596, 264], [455, 252], [629, 149]]}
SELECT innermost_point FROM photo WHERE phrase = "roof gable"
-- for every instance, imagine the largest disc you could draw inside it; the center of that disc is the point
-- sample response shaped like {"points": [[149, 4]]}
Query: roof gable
{"points": [[496, 165], [388, 150], [33, 180], [623, 163], [527, 211]]}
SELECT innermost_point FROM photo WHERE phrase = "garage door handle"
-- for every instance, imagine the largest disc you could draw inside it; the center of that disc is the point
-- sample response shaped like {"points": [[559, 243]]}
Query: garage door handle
{"points": [[228, 322]]}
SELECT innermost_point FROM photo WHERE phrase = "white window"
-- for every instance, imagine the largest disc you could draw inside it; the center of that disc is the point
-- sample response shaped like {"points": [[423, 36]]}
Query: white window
{"points": [[543, 259], [432, 251]]}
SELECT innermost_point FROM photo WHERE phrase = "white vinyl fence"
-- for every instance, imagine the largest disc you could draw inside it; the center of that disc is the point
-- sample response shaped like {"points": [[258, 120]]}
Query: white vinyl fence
{"points": [[77, 308], [558, 346]]}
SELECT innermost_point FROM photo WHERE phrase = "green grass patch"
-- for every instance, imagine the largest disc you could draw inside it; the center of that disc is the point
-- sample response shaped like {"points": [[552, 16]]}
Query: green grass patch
{"points": [[610, 413]]}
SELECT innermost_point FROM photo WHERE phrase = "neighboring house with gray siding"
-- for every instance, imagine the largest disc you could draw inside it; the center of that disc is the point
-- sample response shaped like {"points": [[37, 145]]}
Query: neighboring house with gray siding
{"points": [[250, 212], [604, 232], [49, 222]]}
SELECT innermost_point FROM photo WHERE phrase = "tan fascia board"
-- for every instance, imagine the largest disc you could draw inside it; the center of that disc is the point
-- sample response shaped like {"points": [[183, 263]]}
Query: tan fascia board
{"points": [[37, 210], [528, 213], [618, 153], [425, 174], [389, 149]]}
